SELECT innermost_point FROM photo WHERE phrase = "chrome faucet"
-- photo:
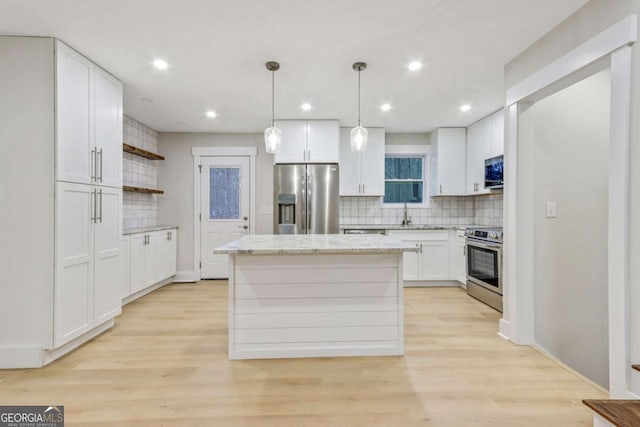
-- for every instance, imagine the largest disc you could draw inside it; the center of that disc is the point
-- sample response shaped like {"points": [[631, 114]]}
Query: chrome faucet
{"points": [[406, 220]]}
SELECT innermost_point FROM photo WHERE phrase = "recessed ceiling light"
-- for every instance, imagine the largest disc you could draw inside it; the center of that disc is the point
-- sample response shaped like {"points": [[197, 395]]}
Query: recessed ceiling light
{"points": [[211, 114], [306, 106], [415, 65], [160, 64], [385, 107], [465, 107]]}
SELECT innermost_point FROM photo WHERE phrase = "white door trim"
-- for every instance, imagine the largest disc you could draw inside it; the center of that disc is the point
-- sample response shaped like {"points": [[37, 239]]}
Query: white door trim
{"points": [[198, 153], [614, 47]]}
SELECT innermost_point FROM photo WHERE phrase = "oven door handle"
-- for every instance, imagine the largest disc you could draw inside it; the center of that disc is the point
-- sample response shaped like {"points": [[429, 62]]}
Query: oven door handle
{"points": [[483, 245]]}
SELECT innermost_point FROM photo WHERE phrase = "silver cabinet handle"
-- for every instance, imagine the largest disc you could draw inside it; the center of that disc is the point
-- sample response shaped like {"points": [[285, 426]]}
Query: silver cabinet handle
{"points": [[420, 247], [168, 235], [464, 250], [363, 189], [440, 188], [309, 159], [100, 153], [94, 210], [93, 164], [100, 205]]}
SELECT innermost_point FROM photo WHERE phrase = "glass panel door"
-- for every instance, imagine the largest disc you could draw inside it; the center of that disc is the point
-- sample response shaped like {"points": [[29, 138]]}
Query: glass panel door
{"points": [[224, 193]]}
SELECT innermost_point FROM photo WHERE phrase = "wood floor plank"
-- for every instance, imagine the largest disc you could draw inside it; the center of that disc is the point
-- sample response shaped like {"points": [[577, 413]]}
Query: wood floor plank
{"points": [[165, 363]]}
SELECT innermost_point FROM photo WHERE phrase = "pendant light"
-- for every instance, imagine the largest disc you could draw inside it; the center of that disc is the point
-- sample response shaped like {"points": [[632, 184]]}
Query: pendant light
{"points": [[273, 135], [359, 134]]}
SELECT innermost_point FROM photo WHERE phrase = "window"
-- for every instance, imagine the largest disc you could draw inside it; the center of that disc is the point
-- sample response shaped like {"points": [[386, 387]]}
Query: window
{"points": [[224, 193], [404, 179]]}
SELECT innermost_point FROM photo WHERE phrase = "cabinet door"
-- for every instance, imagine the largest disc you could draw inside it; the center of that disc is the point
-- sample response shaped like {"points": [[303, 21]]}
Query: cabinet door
{"points": [[433, 259], [125, 266], [74, 144], [167, 253], [73, 287], [497, 133], [323, 141], [350, 167], [461, 250], [373, 164], [152, 271], [107, 302], [410, 266], [449, 162], [138, 247], [478, 150], [294, 142], [108, 128]]}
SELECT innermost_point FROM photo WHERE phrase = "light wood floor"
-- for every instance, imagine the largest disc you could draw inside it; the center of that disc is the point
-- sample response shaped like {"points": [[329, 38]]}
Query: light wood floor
{"points": [[165, 363]]}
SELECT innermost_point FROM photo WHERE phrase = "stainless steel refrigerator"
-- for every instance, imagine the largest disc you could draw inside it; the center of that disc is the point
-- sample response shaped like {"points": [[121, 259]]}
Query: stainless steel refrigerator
{"points": [[306, 199]]}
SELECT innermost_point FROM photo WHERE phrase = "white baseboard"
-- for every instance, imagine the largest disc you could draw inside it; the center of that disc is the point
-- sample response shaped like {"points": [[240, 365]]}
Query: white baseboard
{"points": [[186, 276], [37, 357], [431, 283], [145, 291], [505, 329], [51, 355], [21, 357]]}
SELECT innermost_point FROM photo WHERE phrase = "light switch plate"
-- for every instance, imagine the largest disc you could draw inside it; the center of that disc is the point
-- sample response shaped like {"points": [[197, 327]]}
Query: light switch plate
{"points": [[552, 210]]}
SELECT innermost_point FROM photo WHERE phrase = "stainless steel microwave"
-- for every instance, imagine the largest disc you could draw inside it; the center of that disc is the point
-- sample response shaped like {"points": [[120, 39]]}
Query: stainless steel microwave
{"points": [[494, 172]]}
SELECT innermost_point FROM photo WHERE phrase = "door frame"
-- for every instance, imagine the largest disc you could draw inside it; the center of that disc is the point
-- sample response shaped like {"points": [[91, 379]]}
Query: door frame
{"points": [[198, 153], [610, 48]]}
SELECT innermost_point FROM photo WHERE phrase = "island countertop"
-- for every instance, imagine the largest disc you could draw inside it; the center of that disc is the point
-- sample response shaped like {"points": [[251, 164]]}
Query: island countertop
{"points": [[269, 244]]}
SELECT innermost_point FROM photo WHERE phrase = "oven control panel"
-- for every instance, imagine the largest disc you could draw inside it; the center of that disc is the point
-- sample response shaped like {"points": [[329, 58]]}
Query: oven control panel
{"points": [[488, 234]]}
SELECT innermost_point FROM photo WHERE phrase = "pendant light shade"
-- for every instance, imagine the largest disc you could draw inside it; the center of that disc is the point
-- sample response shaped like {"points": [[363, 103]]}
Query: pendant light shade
{"points": [[272, 139], [273, 135], [359, 135], [359, 139]]}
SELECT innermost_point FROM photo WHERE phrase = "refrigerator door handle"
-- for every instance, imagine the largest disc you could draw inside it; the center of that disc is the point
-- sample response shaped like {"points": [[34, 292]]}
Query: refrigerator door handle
{"points": [[303, 215], [309, 206]]}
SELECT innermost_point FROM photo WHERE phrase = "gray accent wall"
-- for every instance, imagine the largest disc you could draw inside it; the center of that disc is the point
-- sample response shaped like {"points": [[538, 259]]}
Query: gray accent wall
{"points": [[571, 143]]}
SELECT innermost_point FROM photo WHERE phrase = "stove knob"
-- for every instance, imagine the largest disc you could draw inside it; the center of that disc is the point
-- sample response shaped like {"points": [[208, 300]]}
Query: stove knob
{"points": [[493, 236]]}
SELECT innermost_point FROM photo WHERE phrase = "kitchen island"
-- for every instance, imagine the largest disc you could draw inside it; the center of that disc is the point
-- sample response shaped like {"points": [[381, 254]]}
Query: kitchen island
{"points": [[315, 295]]}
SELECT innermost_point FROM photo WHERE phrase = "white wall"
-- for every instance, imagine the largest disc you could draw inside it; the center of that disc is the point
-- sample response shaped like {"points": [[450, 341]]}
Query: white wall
{"points": [[571, 142], [26, 196], [176, 179], [592, 18]]}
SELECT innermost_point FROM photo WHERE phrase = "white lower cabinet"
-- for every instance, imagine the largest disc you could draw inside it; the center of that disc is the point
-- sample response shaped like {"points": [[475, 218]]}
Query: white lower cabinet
{"points": [[440, 257], [431, 262], [152, 259], [88, 263], [458, 256]]}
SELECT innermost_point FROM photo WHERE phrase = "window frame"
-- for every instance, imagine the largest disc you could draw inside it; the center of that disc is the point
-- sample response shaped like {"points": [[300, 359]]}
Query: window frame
{"points": [[423, 151]]}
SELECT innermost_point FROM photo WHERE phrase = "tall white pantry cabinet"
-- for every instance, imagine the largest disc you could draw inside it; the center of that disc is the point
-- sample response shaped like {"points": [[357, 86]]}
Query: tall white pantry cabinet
{"points": [[61, 130]]}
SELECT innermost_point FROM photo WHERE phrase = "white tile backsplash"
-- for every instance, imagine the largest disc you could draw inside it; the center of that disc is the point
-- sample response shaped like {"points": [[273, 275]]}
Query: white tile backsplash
{"points": [[477, 210], [139, 210]]}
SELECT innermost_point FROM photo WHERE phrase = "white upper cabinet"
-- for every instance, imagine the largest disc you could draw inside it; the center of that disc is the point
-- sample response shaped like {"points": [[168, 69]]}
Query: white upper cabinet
{"points": [[308, 141], [108, 128], [88, 121], [362, 174], [294, 142], [323, 141], [448, 162], [497, 134], [74, 82], [485, 139]]}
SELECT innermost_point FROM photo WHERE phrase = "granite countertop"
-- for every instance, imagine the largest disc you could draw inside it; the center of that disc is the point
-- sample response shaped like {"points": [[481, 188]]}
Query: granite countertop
{"points": [[405, 227], [147, 229], [261, 244]]}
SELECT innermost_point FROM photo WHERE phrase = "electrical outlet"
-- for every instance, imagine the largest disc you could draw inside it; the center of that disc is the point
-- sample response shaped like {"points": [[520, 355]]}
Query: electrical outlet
{"points": [[552, 210]]}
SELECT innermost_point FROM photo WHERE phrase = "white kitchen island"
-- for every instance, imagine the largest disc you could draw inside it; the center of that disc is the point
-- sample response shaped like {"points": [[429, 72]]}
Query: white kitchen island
{"points": [[315, 295]]}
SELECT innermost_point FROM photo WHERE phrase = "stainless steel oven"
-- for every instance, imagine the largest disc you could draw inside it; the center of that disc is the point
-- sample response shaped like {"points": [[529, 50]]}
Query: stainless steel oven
{"points": [[484, 265]]}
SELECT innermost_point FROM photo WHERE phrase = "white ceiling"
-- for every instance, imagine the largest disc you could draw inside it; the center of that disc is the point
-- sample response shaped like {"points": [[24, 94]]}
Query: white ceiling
{"points": [[217, 49]]}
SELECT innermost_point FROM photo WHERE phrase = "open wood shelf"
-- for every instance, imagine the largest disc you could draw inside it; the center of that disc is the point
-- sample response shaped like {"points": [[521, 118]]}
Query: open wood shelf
{"points": [[140, 152], [141, 190], [636, 367]]}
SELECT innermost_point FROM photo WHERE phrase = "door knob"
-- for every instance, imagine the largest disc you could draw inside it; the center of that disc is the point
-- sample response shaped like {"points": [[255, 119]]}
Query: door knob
{"points": [[243, 226], [245, 218]]}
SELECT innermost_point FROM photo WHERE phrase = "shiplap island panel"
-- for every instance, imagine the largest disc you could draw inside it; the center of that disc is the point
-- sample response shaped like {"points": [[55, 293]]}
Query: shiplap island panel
{"points": [[315, 295]]}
